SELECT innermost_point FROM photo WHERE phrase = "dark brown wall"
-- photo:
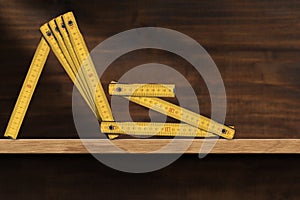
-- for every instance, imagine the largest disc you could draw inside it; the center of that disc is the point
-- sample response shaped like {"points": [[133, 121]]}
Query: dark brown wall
{"points": [[215, 177], [255, 44]]}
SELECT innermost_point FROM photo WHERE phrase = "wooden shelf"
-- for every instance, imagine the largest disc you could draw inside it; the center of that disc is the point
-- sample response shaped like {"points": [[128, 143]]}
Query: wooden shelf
{"points": [[75, 146]]}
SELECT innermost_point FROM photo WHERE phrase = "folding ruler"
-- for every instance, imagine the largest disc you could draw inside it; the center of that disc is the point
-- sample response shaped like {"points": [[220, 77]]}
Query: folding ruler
{"points": [[63, 36]]}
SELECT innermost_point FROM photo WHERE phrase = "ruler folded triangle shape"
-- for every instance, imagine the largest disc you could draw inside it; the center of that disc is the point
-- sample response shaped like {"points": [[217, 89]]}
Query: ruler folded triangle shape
{"points": [[80, 70]]}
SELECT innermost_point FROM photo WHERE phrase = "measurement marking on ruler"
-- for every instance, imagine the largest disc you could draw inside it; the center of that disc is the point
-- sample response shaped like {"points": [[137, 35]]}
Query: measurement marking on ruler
{"points": [[15, 122], [153, 129], [149, 90]]}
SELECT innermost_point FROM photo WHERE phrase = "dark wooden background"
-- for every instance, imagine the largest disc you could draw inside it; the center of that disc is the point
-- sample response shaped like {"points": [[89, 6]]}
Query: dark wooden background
{"points": [[255, 44]]}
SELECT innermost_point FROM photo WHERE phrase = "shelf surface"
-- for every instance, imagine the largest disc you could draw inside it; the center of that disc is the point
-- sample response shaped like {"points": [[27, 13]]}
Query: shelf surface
{"points": [[77, 146]]}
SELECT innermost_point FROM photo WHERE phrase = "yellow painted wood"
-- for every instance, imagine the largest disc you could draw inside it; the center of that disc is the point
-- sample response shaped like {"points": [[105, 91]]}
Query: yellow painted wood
{"points": [[153, 129], [88, 67], [146, 90], [29, 85], [184, 115]]}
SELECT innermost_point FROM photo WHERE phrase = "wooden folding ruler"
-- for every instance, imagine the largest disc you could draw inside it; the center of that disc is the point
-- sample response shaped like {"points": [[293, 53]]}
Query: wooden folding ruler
{"points": [[63, 36]]}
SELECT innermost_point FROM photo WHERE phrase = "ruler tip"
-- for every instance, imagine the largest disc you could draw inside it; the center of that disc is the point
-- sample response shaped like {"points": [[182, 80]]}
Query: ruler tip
{"points": [[8, 136]]}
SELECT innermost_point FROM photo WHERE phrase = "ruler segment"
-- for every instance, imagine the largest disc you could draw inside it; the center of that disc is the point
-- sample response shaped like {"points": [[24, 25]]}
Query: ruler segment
{"points": [[153, 129], [88, 67], [62, 29], [61, 44], [146, 90], [55, 30], [29, 85], [49, 36], [184, 115]]}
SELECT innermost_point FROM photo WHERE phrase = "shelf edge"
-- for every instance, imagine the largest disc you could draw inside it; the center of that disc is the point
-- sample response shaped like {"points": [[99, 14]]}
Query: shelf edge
{"points": [[178, 146]]}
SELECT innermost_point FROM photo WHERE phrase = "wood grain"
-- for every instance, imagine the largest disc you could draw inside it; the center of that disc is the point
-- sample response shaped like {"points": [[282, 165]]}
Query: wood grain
{"points": [[141, 146], [77, 177]]}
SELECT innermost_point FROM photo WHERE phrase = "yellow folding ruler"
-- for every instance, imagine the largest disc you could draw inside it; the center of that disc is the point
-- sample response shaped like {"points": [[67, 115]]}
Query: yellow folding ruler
{"points": [[64, 58], [27, 90], [64, 37], [49, 36], [88, 69], [90, 88], [84, 58], [149, 90], [179, 113], [153, 129], [184, 115], [68, 54]]}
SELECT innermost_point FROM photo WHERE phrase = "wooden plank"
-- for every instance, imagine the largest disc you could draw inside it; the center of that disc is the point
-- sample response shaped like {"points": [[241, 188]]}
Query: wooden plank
{"points": [[75, 146]]}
